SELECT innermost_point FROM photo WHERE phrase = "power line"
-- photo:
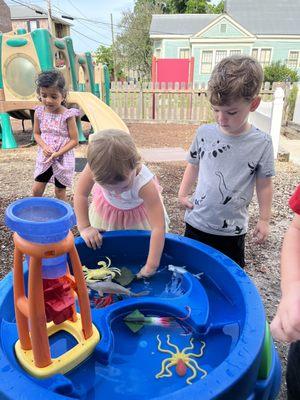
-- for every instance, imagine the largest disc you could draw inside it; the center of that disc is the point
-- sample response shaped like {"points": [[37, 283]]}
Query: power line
{"points": [[85, 25], [76, 8], [30, 7], [95, 21], [84, 41], [93, 40], [45, 13]]}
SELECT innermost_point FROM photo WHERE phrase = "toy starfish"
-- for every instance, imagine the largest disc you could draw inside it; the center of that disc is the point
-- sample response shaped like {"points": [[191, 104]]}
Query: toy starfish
{"points": [[181, 359]]}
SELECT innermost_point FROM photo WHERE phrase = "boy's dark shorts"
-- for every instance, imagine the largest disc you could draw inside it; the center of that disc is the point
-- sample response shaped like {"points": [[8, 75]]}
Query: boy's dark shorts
{"points": [[293, 372], [232, 246], [45, 177]]}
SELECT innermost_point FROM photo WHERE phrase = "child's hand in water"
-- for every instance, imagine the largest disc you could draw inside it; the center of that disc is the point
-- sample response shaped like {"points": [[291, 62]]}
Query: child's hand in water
{"points": [[145, 272], [91, 236], [185, 202]]}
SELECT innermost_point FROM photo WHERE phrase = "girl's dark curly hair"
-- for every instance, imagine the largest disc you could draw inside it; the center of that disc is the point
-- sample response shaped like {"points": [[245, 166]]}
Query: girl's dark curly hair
{"points": [[52, 78]]}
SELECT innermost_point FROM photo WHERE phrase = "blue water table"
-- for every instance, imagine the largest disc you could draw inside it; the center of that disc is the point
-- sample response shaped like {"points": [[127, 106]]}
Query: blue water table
{"points": [[198, 332]]}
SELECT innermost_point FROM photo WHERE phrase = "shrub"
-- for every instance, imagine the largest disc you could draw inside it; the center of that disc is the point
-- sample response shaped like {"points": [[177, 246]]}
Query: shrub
{"points": [[291, 100], [278, 72]]}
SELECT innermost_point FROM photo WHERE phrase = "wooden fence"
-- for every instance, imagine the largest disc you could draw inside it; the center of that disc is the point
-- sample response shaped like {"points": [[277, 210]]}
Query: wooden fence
{"points": [[166, 101]]}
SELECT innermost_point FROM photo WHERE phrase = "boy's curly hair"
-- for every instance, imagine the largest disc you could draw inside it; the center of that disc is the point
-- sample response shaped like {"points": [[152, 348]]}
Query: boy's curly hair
{"points": [[235, 78]]}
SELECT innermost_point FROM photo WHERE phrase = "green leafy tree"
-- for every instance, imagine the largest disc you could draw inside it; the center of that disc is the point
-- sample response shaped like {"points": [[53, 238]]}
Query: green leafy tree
{"points": [[217, 9], [104, 55], [196, 7], [175, 7], [192, 7], [133, 45], [279, 72]]}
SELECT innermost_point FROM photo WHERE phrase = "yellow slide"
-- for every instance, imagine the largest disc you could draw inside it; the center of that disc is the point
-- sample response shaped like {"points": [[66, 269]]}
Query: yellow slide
{"points": [[99, 114]]}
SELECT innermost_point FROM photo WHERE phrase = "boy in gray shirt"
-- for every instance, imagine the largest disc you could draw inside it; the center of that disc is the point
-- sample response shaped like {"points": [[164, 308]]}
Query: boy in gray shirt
{"points": [[228, 159]]}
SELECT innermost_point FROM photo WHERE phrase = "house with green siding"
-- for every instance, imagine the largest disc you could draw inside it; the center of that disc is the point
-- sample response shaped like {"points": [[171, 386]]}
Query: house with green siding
{"points": [[268, 30]]}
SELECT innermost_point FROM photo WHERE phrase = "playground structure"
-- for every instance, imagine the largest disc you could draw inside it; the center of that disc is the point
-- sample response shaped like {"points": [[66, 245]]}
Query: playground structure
{"points": [[214, 333], [24, 55]]}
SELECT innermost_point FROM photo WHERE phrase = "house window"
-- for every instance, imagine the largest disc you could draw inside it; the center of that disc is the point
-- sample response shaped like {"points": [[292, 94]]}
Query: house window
{"points": [[235, 52], [59, 30], [220, 54], [206, 62], [293, 59], [184, 53], [157, 53], [32, 25], [265, 57], [255, 53], [223, 28]]}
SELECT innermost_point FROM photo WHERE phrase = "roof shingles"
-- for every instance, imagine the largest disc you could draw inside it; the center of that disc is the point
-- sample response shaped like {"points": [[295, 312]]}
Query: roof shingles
{"points": [[267, 17]]}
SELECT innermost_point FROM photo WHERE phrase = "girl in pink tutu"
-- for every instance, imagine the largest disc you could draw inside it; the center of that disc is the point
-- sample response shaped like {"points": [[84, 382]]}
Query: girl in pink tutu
{"points": [[55, 132], [125, 194]]}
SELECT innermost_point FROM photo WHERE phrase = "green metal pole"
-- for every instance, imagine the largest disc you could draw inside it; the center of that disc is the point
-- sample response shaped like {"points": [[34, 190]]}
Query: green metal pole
{"points": [[90, 69], [107, 85], [81, 137], [8, 140]]}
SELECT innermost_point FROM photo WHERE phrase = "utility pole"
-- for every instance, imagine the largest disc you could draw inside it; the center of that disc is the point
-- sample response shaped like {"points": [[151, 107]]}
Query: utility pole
{"points": [[49, 15], [113, 48]]}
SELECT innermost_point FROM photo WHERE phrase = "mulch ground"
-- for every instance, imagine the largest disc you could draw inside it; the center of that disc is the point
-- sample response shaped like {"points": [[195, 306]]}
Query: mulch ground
{"points": [[262, 262]]}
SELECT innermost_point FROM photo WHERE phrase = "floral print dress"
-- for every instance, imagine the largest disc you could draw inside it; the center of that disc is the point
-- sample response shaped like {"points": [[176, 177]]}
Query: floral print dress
{"points": [[54, 132]]}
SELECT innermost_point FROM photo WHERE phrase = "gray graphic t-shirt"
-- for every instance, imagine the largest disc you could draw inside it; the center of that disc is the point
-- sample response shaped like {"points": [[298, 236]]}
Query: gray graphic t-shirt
{"points": [[228, 168]]}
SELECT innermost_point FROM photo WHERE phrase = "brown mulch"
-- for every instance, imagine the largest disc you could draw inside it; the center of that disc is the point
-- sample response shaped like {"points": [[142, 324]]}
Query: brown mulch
{"points": [[262, 261]]}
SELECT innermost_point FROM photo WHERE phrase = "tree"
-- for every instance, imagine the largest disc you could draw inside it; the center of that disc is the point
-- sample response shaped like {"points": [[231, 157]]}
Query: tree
{"points": [[175, 7], [218, 9], [105, 55], [192, 7], [279, 72], [196, 7], [133, 45]]}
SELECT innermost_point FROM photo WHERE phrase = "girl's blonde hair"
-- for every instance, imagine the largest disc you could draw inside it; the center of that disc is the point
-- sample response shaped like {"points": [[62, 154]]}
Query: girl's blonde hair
{"points": [[112, 155]]}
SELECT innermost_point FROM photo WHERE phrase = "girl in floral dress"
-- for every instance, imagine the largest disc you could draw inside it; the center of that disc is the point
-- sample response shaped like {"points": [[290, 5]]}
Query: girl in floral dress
{"points": [[55, 132]]}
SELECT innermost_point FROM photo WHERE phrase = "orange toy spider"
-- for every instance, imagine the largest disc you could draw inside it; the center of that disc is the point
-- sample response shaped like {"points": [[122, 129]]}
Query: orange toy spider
{"points": [[181, 359]]}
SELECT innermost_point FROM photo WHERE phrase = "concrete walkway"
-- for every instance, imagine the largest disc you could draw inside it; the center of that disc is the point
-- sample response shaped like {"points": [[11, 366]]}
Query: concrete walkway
{"points": [[160, 154], [291, 146], [165, 154]]}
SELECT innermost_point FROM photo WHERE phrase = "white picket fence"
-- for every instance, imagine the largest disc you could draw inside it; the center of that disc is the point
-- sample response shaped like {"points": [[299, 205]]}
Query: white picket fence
{"points": [[296, 117], [268, 117]]}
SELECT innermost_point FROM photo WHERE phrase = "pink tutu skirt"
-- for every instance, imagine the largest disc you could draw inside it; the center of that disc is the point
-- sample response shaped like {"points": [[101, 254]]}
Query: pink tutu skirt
{"points": [[105, 216]]}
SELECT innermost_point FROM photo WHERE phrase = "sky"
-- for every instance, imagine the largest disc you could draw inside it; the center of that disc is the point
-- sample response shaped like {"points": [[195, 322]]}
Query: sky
{"points": [[87, 35]]}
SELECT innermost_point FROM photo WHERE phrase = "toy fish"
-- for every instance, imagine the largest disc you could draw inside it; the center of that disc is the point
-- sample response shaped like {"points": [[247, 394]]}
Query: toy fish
{"points": [[174, 268], [136, 320], [115, 288]]}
